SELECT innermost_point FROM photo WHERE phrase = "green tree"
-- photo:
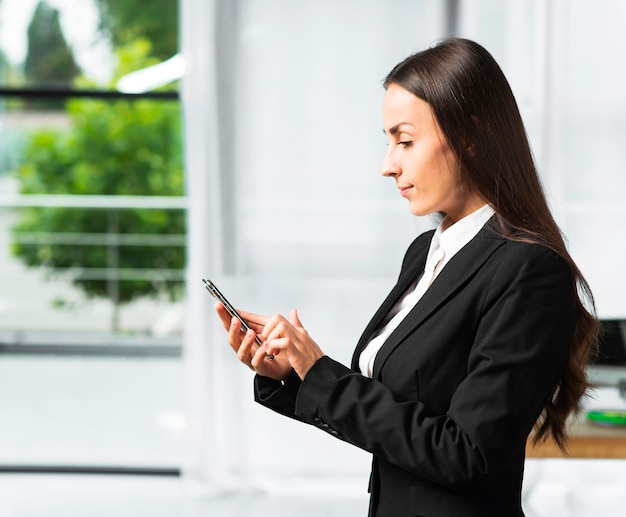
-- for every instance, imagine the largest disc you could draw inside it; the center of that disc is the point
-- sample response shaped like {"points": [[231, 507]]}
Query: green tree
{"points": [[49, 58], [120, 148], [127, 147], [125, 21]]}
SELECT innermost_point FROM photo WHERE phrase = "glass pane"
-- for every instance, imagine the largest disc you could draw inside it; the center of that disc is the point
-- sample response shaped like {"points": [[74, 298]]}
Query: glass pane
{"points": [[91, 411], [93, 264], [92, 236], [87, 43]]}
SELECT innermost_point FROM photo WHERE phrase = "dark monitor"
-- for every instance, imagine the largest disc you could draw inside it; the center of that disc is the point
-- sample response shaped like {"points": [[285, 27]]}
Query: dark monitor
{"points": [[612, 343]]}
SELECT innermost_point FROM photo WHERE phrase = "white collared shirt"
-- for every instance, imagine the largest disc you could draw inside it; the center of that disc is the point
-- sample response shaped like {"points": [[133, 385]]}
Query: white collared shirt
{"points": [[443, 246]]}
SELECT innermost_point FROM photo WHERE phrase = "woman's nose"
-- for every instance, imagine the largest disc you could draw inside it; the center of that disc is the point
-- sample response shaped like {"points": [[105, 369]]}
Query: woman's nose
{"points": [[390, 165]]}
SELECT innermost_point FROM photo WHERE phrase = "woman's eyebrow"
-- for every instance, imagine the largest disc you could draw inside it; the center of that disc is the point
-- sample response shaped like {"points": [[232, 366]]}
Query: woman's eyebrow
{"points": [[396, 129]]}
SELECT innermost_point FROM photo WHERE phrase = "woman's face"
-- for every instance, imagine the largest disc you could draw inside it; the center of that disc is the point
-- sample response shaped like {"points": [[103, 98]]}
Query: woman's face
{"points": [[419, 159]]}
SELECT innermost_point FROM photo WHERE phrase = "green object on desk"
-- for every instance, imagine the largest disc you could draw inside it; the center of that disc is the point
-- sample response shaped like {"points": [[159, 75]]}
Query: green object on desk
{"points": [[607, 417]]}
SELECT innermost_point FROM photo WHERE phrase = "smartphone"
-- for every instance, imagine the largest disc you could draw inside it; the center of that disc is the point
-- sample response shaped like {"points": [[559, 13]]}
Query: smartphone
{"points": [[231, 310]]}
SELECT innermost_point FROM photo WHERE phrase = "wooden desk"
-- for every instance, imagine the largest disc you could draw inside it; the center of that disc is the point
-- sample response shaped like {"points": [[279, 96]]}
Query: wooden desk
{"points": [[587, 440]]}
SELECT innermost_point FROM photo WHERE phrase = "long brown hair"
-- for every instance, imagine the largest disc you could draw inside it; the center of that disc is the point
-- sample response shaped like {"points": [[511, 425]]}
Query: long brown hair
{"points": [[477, 112]]}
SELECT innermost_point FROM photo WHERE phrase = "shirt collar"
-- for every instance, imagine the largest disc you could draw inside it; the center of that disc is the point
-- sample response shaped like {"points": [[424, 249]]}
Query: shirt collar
{"points": [[453, 238]]}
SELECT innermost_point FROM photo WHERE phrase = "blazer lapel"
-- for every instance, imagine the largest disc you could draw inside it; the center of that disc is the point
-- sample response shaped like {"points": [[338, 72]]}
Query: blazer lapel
{"points": [[455, 274], [407, 277]]}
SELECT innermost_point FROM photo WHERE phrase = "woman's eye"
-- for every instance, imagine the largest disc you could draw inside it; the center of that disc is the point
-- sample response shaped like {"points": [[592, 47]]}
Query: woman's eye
{"points": [[406, 143]]}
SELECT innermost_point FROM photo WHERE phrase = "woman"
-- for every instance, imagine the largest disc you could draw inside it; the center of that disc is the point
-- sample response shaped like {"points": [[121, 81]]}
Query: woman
{"points": [[485, 334]]}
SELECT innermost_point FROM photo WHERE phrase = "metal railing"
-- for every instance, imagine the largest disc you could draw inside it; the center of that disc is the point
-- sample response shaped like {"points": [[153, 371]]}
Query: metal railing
{"points": [[20, 342]]}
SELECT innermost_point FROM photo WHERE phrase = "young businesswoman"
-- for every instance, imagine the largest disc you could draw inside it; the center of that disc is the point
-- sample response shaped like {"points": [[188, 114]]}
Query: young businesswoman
{"points": [[488, 329]]}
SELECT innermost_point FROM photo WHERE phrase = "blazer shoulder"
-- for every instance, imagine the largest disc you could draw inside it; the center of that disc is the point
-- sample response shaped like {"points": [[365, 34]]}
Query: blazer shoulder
{"points": [[521, 246], [515, 258], [528, 250]]}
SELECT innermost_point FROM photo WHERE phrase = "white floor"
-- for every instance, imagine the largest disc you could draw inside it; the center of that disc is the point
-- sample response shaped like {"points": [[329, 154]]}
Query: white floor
{"points": [[27, 495], [575, 488], [554, 488]]}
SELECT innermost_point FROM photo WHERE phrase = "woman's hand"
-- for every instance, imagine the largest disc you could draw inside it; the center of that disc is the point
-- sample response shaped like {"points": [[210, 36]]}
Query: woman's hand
{"points": [[289, 338], [255, 357]]}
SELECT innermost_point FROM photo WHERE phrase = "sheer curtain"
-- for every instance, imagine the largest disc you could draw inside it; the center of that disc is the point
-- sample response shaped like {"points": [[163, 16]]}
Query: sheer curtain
{"points": [[592, 125], [287, 207], [563, 60]]}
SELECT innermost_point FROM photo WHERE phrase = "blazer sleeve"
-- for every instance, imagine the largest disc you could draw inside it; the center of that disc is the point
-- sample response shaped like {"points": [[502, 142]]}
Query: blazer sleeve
{"points": [[281, 396], [520, 347], [278, 395]]}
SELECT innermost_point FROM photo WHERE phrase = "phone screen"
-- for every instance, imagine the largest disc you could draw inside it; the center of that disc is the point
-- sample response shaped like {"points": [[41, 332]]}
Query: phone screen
{"points": [[215, 292]]}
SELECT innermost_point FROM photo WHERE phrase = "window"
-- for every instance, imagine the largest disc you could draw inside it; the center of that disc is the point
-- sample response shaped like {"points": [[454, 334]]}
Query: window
{"points": [[92, 234]]}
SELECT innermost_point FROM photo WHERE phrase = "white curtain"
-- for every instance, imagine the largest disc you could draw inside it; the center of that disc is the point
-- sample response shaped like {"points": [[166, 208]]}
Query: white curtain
{"points": [[287, 207], [563, 58]]}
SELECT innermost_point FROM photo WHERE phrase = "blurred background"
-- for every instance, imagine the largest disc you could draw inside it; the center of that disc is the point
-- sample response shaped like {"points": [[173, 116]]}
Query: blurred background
{"points": [[145, 145]]}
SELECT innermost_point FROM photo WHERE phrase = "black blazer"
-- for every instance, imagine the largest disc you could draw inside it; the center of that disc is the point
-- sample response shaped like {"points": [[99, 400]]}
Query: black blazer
{"points": [[456, 388]]}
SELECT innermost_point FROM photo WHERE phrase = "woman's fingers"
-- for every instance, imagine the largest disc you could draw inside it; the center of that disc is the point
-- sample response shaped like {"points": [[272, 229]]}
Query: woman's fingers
{"points": [[275, 326], [255, 321], [247, 348], [235, 335], [223, 314], [286, 343], [294, 319], [290, 339], [277, 367]]}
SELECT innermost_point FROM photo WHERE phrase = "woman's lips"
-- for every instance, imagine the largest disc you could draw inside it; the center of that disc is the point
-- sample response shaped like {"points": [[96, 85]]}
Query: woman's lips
{"points": [[404, 191]]}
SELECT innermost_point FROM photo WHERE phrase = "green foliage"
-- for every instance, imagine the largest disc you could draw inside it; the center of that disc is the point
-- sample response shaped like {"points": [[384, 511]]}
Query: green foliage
{"points": [[118, 148], [128, 20], [49, 59], [130, 147], [133, 56]]}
